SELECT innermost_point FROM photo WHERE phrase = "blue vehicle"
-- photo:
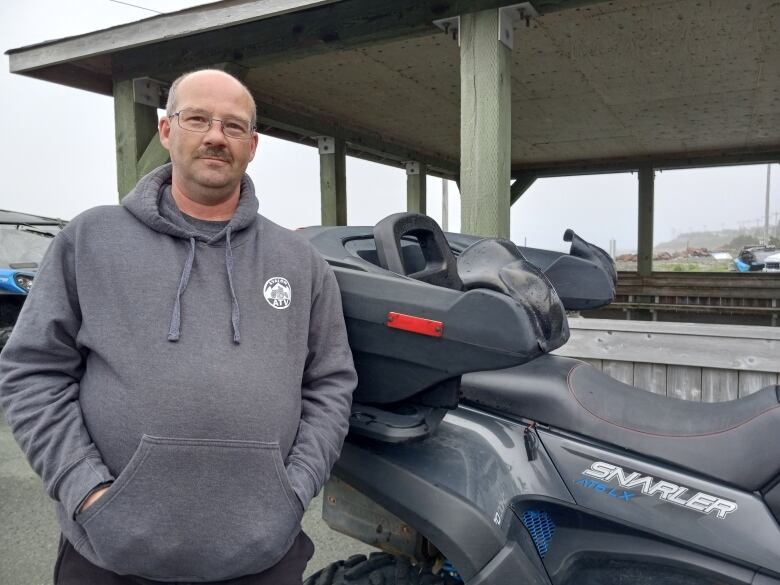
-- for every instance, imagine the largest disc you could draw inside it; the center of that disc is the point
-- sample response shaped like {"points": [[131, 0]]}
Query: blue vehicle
{"points": [[24, 239], [752, 258]]}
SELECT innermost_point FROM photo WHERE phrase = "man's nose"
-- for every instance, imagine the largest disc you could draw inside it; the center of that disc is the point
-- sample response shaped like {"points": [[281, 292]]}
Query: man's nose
{"points": [[214, 135]]}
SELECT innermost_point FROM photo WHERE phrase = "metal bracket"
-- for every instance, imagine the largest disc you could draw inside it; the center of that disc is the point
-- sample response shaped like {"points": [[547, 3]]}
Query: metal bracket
{"points": [[508, 17], [412, 168], [326, 144], [150, 92], [450, 26], [511, 16]]}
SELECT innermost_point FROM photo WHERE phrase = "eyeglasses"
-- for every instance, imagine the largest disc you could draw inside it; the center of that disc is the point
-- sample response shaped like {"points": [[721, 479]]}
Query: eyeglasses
{"points": [[195, 121]]}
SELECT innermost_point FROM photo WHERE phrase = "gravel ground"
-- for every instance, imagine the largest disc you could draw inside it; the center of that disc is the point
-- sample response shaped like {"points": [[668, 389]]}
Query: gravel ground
{"points": [[29, 535]]}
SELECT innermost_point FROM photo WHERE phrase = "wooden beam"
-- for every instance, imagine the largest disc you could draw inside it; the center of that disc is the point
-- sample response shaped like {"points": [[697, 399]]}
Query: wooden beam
{"points": [[732, 286], [646, 178], [149, 31], [521, 184], [333, 181], [355, 150], [679, 160], [416, 175], [695, 308], [73, 75], [154, 156], [274, 117], [485, 126], [135, 128], [683, 344]]}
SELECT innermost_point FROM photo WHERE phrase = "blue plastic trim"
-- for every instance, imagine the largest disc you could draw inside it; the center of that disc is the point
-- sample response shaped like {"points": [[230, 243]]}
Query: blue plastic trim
{"points": [[7, 283], [541, 527]]}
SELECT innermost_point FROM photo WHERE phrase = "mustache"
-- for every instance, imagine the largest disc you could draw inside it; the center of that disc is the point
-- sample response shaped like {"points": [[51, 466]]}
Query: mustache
{"points": [[211, 152]]}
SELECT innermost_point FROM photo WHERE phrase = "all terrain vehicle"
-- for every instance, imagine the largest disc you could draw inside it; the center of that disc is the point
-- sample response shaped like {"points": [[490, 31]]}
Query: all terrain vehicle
{"points": [[24, 239], [476, 456]]}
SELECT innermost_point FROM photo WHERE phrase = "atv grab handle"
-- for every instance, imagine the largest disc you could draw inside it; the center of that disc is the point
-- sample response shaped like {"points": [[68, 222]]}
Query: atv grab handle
{"points": [[440, 264]]}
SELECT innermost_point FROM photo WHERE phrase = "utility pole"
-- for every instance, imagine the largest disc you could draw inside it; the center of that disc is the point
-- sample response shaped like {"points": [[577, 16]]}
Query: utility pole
{"points": [[445, 205], [766, 209]]}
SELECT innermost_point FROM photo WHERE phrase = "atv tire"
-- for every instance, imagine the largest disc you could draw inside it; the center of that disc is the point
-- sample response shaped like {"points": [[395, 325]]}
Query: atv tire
{"points": [[377, 569]]}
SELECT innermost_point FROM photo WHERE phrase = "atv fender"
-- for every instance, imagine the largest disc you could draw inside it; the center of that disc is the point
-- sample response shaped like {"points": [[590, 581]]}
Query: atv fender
{"points": [[477, 547]]}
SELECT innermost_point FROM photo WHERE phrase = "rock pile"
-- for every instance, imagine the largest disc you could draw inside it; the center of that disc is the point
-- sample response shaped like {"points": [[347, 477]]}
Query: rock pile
{"points": [[678, 254]]}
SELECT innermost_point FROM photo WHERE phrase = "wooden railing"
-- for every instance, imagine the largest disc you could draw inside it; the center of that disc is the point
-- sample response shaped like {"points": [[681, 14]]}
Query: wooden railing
{"points": [[701, 297], [709, 363]]}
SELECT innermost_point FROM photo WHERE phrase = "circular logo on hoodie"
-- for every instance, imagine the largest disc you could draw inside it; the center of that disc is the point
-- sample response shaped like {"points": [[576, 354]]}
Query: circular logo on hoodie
{"points": [[277, 292]]}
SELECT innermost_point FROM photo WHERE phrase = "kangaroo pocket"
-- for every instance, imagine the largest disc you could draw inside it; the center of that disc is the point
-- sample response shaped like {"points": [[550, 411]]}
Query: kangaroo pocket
{"points": [[195, 510]]}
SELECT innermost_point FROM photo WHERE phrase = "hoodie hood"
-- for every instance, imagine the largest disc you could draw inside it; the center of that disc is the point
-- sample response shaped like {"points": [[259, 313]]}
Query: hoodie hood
{"points": [[144, 202]]}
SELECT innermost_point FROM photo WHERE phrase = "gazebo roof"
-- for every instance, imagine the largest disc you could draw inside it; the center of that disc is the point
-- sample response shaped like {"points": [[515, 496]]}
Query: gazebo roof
{"points": [[595, 85]]}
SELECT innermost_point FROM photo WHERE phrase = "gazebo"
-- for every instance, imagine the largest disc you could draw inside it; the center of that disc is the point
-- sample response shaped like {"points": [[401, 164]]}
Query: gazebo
{"points": [[489, 94]]}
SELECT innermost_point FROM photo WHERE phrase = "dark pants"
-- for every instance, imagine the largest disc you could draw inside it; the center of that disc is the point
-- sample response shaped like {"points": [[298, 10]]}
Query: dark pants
{"points": [[73, 569]]}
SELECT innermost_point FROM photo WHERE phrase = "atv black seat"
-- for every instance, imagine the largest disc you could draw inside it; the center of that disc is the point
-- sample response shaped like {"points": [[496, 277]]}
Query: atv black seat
{"points": [[736, 442]]}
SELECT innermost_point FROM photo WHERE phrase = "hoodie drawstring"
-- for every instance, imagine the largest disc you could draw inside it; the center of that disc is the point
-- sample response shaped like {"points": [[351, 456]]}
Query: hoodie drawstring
{"points": [[174, 331], [235, 315]]}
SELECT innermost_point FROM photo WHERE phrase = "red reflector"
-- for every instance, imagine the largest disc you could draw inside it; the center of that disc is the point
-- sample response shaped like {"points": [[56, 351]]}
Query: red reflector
{"points": [[415, 324]]}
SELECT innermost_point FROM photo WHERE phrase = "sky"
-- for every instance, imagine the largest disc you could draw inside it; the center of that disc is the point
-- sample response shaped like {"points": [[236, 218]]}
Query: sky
{"points": [[604, 207], [58, 159]]}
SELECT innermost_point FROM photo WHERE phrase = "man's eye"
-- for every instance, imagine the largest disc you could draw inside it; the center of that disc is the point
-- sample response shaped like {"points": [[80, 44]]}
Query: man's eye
{"points": [[235, 125], [197, 119]]}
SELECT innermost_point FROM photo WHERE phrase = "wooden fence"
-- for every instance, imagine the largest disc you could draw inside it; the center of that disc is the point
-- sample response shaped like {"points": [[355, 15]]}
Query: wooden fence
{"points": [[709, 363], [701, 297]]}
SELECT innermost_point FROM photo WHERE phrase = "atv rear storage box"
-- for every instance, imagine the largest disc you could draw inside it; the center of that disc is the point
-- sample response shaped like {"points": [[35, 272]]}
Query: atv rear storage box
{"points": [[415, 329]]}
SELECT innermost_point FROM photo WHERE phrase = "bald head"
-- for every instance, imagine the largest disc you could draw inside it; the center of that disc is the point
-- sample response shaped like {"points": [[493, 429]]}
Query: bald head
{"points": [[203, 75]]}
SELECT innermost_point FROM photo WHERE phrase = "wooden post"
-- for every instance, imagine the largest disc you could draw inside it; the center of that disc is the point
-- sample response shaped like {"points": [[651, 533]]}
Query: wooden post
{"points": [[333, 180], [415, 187], [646, 176], [485, 125], [154, 156], [138, 150]]}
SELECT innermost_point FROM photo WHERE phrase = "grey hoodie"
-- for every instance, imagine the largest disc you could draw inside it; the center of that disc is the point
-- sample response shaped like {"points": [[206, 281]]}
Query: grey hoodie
{"points": [[208, 377]]}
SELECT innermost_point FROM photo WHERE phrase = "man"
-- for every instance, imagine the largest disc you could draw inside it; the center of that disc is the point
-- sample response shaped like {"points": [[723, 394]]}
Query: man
{"points": [[180, 375]]}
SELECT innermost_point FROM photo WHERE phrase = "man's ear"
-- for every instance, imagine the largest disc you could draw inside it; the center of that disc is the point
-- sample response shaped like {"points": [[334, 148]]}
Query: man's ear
{"points": [[164, 130], [253, 147]]}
